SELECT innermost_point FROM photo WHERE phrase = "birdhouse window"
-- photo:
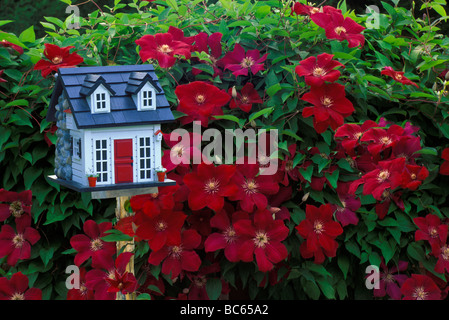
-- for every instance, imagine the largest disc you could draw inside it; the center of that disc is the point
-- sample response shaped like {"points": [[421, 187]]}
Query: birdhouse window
{"points": [[148, 99], [76, 148], [100, 102], [101, 160], [145, 158]]}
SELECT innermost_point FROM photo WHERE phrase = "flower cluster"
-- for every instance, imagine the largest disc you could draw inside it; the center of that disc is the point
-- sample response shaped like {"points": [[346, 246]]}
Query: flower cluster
{"points": [[386, 155], [16, 243]]}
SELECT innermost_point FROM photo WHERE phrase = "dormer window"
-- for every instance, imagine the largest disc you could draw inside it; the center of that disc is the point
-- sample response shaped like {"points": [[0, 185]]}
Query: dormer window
{"points": [[100, 102], [147, 98]]}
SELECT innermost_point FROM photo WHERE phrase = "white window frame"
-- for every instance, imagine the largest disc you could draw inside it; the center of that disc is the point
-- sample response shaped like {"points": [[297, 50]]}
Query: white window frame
{"points": [[104, 152], [147, 149]]}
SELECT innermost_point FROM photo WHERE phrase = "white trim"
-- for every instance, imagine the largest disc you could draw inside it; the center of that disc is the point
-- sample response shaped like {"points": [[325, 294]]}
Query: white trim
{"points": [[101, 90], [140, 98]]}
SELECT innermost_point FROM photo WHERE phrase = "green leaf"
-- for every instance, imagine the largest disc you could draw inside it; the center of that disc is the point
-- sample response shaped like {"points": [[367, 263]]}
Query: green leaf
{"points": [[271, 91], [307, 173], [439, 9], [205, 67], [46, 254], [312, 290], [333, 178], [115, 235], [30, 175], [144, 296], [264, 112], [326, 288], [213, 288], [28, 35], [343, 263]]}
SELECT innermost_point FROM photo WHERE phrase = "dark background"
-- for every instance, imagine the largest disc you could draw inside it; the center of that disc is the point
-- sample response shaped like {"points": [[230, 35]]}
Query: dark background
{"points": [[30, 12]]}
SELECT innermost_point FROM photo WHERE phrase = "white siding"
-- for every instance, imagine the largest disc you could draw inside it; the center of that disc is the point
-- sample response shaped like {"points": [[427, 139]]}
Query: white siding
{"points": [[111, 134]]}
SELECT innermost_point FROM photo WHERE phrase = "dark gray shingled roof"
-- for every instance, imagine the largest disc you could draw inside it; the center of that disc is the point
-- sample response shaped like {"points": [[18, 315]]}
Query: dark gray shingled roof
{"points": [[122, 82]]}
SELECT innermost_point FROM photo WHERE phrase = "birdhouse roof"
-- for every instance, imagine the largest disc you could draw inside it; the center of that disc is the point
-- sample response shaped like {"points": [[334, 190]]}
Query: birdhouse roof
{"points": [[122, 82]]}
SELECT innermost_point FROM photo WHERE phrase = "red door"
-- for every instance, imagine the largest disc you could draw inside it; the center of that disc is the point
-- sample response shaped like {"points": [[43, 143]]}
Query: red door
{"points": [[123, 160]]}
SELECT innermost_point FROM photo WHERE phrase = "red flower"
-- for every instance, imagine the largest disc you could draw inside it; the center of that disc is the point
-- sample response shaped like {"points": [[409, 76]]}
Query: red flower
{"points": [[442, 264], [7, 44], [432, 230], [239, 61], [177, 258], [318, 70], [253, 188], [349, 134], [286, 169], [444, 168], [57, 58], [16, 288], [163, 48], [119, 279], [406, 147], [388, 175], [381, 139], [112, 278], [89, 245], [17, 205], [200, 221], [245, 98], [211, 45], [420, 287], [183, 152], [83, 293], [304, 10], [161, 230], [345, 214], [330, 106], [413, 176], [209, 185], [17, 245], [227, 238], [340, 28], [397, 76], [390, 280], [262, 238], [200, 101], [320, 231], [152, 204], [382, 206]]}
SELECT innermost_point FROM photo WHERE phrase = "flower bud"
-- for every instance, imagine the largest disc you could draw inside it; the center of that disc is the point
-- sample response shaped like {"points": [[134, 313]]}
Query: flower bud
{"points": [[305, 197], [234, 93]]}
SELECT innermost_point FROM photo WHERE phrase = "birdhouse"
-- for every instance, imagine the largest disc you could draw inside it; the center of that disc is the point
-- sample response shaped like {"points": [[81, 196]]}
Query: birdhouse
{"points": [[109, 127]]}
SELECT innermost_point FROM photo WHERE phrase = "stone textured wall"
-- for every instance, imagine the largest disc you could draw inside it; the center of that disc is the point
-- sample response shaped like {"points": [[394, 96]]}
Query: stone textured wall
{"points": [[63, 157]]}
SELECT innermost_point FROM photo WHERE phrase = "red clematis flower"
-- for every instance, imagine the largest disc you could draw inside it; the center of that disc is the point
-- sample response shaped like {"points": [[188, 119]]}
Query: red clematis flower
{"points": [[303, 10], [177, 258], [420, 287], [286, 170], [340, 28], [163, 229], [17, 288], [163, 47], [239, 61], [320, 231], [406, 147], [253, 188], [390, 280], [211, 45], [83, 293], [152, 204], [183, 149], [388, 175], [119, 279], [200, 101], [7, 44], [380, 140], [89, 245], [57, 58], [444, 168], [16, 245], [209, 185], [413, 176], [349, 134], [318, 70], [345, 214], [227, 238], [112, 278], [398, 76], [442, 264], [262, 237], [432, 230], [382, 206], [200, 221], [245, 98], [17, 205], [330, 106]]}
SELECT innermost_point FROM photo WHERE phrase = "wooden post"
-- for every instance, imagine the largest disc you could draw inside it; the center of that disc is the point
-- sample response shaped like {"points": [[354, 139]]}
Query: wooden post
{"points": [[125, 246]]}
